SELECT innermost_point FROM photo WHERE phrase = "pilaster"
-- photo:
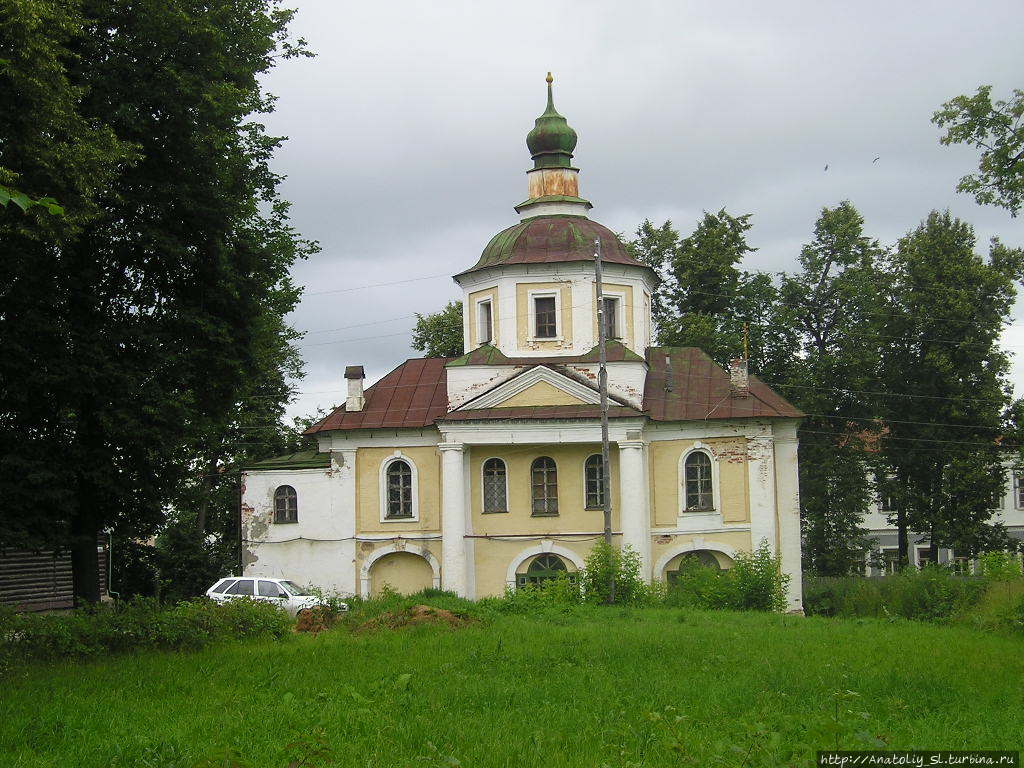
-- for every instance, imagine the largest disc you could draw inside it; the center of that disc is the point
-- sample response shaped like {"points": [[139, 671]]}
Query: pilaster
{"points": [[454, 568], [634, 511]]}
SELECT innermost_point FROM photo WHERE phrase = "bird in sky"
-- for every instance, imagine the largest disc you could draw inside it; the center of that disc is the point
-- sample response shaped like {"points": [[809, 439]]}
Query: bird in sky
{"points": [[826, 166]]}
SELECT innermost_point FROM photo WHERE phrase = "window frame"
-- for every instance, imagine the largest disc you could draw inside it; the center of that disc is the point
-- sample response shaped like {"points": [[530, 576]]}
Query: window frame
{"points": [[532, 296], [684, 508], [586, 483], [483, 486], [294, 511], [1018, 487], [483, 337], [547, 498], [383, 489], [250, 580]]}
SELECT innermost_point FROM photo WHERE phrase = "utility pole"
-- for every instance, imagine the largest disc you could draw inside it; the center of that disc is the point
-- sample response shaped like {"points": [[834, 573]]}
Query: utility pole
{"points": [[602, 383]]}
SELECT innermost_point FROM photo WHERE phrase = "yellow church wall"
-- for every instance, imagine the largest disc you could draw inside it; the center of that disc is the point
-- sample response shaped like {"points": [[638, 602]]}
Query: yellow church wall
{"points": [[627, 337], [733, 490], [662, 545], [474, 323], [492, 559], [428, 476], [572, 515], [541, 393], [523, 330]]}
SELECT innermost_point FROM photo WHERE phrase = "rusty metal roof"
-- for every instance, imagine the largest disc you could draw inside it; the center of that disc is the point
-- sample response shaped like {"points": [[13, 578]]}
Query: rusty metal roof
{"points": [[415, 394], [552, 239], [684, 384]]}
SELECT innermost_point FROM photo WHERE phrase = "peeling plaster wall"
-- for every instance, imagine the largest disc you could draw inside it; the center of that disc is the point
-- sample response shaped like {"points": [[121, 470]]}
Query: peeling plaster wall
{"points": [[318, 550]]}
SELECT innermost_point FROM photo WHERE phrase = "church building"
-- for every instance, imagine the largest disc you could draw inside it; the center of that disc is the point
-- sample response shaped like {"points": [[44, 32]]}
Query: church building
{"points": [[483, 472]]}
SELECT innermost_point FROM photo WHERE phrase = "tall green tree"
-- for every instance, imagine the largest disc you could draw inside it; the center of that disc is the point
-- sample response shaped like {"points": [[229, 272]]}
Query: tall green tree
{"points": [[832, 301], [171, 294], [47, 148], [439, 334], [997, 129], [949, 401]]}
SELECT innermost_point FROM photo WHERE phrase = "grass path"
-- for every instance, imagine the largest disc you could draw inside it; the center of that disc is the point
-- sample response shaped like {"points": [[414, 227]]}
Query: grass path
{"points": [[598, 687]]}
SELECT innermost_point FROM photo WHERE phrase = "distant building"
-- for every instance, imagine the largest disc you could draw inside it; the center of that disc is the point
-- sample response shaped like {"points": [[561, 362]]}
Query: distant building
{"points": [[484, 471], [1010, 514], [41, 581]]}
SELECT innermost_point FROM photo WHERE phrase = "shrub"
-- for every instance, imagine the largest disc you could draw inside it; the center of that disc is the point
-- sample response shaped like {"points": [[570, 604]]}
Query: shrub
{"points": [[602, 563], [134, 624], [755, 582], [999, 566], [933, 593]]}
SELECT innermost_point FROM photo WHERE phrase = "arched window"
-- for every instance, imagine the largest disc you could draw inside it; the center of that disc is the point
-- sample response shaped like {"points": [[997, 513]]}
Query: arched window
{"points": [[286, 505], [399, 490], [697, 483], [700, 558], [593, 481], [495, 489], [544, 481], [542, 568]]}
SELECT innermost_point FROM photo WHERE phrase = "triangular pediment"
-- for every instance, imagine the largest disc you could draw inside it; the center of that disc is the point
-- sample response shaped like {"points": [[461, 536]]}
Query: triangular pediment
{"points": [[537, 386]]}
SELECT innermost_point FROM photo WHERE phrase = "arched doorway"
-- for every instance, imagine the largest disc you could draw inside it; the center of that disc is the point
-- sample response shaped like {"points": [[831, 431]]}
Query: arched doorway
{"points": [[404, 572]]}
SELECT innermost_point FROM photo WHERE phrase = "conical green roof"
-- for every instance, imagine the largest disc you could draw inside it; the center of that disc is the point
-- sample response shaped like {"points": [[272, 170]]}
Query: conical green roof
{"points": [[551, 141]]}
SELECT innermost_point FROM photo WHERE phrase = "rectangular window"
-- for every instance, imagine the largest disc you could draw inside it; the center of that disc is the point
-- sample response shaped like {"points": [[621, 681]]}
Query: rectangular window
{"points": [[611, 318], [593, 478], [494, 486], [545, 317], [1018, 490], [890, 560], [484, 320], [924, 557]]}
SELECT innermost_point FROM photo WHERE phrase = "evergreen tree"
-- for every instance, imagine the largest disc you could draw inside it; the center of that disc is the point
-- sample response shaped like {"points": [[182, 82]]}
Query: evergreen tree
{"points": [[948, 401]]}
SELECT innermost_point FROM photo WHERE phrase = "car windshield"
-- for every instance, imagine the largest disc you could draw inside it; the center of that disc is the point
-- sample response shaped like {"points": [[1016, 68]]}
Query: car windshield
{"points": [[294, 588]]}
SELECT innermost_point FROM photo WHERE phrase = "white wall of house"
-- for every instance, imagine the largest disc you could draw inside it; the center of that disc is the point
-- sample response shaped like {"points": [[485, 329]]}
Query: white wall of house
{"points": [[319, 549]]}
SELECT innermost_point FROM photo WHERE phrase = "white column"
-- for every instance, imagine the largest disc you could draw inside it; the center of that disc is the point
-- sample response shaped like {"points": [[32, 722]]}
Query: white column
{"points": [[787, 494], [453, 520], [634, 515], [761, 482]]}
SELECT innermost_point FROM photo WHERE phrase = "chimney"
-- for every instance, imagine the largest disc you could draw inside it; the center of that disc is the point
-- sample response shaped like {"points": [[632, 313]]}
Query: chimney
{"points": [[355, 376], [738, 377]]}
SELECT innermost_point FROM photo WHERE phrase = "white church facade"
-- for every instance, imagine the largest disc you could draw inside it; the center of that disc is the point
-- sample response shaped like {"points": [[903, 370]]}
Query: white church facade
{"points": [[484, 472]]}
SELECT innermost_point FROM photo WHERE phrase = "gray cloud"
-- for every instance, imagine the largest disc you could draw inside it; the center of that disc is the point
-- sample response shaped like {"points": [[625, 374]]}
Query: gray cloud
{"points": [[407, 134]]}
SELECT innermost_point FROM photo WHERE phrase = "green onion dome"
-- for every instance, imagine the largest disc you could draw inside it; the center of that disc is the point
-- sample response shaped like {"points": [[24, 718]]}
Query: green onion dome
{"points": [[551, 141]]}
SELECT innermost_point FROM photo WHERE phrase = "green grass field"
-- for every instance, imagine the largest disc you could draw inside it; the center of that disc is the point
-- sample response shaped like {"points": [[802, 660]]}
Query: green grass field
{"points": [[596, 687]]}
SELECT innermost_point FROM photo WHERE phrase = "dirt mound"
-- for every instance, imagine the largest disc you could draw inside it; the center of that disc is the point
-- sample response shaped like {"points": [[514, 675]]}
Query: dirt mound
{"points": [[415, 615]]}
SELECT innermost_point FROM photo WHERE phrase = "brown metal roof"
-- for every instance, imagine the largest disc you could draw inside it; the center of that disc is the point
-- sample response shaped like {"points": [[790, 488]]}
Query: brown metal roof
{"points": [[535, 412], [700, 389], [415, 394]]}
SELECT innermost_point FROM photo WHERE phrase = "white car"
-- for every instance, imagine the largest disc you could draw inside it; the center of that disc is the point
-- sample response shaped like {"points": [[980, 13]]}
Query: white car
{"points": [[287, 594]]}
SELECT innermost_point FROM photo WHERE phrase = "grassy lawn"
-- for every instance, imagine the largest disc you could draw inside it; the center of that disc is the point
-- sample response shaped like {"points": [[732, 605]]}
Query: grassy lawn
{"points": [[596, 687]]}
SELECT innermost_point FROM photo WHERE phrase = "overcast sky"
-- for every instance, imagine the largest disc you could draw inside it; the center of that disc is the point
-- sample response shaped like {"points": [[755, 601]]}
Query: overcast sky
{"points": [[406, 147]]}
